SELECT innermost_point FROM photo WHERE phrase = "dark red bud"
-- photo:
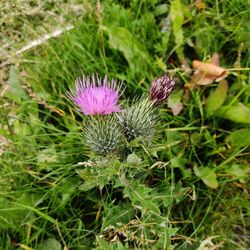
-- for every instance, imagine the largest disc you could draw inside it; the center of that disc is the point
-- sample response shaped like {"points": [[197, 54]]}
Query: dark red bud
{"points": [[161, 88]]}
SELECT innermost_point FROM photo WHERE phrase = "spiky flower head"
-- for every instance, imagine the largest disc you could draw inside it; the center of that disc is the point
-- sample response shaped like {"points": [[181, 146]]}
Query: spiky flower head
{"points": [[94, 96], [102, 134], [161, 88], [139, 120]]}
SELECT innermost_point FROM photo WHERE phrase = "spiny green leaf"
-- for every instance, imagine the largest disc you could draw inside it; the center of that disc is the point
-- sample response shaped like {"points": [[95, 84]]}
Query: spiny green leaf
{"points": [[140, 196], [179, 162], [116, 215]]}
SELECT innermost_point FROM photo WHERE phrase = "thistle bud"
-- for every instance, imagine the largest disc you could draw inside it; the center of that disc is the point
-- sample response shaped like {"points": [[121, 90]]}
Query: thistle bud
{"points": [[139, 120], [161, 88], [102, 134]]}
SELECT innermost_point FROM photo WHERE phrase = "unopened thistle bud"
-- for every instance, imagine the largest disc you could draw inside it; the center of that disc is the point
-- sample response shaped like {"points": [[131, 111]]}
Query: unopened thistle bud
{"points": [[139, 120], [102, 134], [161, 88]]}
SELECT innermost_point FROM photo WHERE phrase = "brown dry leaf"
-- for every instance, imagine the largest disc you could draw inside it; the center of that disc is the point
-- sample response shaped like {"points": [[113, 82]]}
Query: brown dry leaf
{"points": [[206, 73]]}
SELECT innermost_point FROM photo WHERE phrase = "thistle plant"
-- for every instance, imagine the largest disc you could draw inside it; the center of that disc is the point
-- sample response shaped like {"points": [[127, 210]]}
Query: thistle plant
{"points": [[98, 100]]}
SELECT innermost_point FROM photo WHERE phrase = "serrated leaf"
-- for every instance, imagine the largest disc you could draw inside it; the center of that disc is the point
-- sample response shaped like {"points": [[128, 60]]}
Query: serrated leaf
{"points": [[90, 179], [239, 138], [236, 113], [207, 175], [116, 215], [49, 244], [217, 98], [140, 196], [100, 175], [121, 39]]}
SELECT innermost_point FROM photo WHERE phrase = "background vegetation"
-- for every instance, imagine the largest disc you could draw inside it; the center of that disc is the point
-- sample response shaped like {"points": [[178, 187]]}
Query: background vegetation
{"points": [[188, 190]]}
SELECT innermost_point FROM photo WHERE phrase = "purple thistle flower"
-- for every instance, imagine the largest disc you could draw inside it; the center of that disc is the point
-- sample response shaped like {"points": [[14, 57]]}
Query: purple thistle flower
{"points": [[96, 98]]}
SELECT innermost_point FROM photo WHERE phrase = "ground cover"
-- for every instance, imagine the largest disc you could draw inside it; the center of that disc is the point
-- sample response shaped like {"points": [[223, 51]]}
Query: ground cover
{"points": [[188, 189]]}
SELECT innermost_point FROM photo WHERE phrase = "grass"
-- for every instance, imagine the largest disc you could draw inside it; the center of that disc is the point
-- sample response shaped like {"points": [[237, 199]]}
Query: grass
{"points": [[188, 190]]}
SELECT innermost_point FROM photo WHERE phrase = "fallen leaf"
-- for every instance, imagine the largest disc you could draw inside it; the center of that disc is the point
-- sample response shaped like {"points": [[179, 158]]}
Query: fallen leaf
{"points": [[176, 108], [211, 71], [205, 73]]}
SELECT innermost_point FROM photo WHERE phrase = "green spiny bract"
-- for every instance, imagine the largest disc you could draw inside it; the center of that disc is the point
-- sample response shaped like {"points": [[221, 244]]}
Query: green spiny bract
{"points": [[139, 120], [102, 134]]}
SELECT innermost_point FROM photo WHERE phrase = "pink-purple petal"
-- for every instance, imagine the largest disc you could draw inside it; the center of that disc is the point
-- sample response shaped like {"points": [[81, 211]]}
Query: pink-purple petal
{"points": [[93, 97]]}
